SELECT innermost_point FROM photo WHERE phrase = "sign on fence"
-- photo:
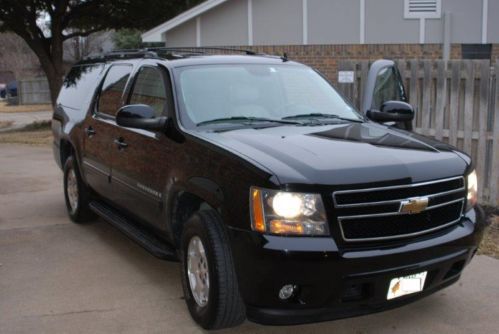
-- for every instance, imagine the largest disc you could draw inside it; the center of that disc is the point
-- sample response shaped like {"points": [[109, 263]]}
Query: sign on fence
{"points": [[456, 102], [34, 91]]}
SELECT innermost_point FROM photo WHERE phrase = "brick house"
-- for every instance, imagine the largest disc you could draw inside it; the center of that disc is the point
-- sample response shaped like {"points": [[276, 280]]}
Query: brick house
{"points": [[321, 32]]}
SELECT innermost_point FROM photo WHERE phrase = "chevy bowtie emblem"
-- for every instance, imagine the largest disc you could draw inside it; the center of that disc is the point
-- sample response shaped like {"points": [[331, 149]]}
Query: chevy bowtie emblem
{"points": [[413, 205]]}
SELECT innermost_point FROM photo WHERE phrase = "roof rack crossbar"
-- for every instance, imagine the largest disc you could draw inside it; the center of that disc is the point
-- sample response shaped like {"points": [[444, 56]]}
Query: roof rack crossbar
{"points": [[127, 53], [173, 53], [201, 50]]}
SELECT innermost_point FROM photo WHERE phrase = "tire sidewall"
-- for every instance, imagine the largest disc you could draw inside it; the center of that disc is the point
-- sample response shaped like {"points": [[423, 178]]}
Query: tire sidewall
{"points": [[71, 164], [202, 315]]}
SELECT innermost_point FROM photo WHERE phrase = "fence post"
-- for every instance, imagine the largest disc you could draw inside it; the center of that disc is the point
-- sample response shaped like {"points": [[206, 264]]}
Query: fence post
{"points": [[468, 105], [494, 177], [485, 91], [454, 101], [441, 98], [426, 89]]}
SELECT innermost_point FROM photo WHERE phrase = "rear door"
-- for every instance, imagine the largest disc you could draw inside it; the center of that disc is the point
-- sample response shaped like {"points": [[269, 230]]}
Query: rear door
{"points": [[142, 161], [100, 129]]}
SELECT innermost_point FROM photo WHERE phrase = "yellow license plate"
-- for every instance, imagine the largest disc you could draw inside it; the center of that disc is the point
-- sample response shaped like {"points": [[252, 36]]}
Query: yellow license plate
{"points": [[406, 285]]}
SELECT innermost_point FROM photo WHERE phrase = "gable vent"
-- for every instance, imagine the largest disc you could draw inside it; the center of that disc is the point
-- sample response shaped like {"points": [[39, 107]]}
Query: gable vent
{"points": [[419, 9]]}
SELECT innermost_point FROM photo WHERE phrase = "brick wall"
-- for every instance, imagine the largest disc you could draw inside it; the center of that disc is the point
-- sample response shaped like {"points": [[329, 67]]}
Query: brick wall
{"points": [[495, 52], [325, 57]]}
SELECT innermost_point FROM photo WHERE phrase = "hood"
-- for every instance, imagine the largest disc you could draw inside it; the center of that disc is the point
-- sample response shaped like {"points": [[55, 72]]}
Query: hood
{"points": [[352, 153]]}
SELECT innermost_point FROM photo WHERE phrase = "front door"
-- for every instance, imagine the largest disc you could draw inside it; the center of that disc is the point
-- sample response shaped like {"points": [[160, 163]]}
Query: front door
{"points": [[141, 161], [383, 84], [100, 130]]}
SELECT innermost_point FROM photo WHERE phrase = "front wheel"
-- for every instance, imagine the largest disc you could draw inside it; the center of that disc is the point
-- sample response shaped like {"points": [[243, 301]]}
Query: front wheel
{"points": [[76, 193], [208, 276]]}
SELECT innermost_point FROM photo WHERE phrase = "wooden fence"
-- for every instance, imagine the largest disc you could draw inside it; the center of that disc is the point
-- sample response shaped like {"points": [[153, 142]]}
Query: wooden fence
{"points": [[34, 91], [456, 102]]}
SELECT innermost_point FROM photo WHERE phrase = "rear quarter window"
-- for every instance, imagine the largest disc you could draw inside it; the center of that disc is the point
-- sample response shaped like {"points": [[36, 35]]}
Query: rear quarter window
{"points": [[80, 82]]}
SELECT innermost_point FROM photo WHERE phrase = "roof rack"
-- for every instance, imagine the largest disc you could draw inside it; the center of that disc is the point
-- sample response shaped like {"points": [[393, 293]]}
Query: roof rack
{"points": [[201, 50], [172, 53], [130, 53], [121, 54]]}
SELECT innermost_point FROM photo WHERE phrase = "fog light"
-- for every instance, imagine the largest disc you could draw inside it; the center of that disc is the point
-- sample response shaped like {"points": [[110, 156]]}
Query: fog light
{"points": [[287, 291]]}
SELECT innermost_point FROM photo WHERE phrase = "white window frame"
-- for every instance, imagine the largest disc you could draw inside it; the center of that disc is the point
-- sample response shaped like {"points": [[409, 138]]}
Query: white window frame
{"points": [[435, 15]]}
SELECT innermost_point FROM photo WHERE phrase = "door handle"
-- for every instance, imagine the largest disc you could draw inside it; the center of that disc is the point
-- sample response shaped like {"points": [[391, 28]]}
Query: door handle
{"points": [[90, 131], [120, 142]]}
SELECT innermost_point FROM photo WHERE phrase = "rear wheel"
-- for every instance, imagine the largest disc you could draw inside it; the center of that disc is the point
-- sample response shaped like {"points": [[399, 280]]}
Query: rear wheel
{"points": [[208, 276], [76, 193]]}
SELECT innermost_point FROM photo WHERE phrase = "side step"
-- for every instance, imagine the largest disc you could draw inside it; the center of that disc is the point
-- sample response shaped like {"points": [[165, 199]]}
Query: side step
{"points": [[137, 233]]}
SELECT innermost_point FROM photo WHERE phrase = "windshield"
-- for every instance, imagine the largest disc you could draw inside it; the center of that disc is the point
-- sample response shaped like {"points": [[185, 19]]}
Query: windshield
{"points": [[261, 92]]}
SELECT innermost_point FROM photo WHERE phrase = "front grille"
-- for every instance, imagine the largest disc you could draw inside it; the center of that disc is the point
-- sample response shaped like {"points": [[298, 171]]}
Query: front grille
{"points": [[373, 213]]}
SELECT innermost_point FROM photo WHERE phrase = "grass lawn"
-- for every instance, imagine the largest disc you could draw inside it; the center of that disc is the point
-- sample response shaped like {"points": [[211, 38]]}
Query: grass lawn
{"points": [[5, 124], [490, 243], [4, 108], [35, 134]]}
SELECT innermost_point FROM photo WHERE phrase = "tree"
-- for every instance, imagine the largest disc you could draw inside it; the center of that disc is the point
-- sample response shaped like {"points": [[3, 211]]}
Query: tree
{"points": [[45, 24], [77, 48], [127, 39], [17, 57]]}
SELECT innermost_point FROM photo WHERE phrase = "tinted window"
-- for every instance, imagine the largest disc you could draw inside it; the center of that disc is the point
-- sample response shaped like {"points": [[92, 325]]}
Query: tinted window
{"points": [[150, 89], [78, 84], [387, 88], [112, 89]]}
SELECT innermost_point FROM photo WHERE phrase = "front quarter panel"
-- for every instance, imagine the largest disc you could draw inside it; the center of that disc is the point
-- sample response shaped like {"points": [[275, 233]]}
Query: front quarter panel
{"points": [[218, 176]]}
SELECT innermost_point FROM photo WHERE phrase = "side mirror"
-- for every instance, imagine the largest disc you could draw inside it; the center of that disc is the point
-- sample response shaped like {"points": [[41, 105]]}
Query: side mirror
{"points": [[392, 111], [140, 116]]}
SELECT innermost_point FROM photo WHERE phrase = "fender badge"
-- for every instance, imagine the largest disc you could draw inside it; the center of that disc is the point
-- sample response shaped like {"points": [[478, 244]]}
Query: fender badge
{"points": [[413, 205]]}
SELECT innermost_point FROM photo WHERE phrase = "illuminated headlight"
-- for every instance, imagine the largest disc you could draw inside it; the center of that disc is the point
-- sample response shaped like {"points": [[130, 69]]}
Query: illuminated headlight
{"points": [[287, 213], [472, 184]]}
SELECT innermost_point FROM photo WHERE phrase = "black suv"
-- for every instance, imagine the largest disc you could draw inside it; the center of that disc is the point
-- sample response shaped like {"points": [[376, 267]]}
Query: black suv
{"points": [[282, 202]]}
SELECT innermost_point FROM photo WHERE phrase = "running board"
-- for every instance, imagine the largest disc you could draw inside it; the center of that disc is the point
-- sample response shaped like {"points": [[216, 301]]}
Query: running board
{"points": [[132, 230]]}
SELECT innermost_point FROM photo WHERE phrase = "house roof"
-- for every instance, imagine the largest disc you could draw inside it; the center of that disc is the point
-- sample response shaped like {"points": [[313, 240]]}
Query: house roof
{"points": [[155, 33]]}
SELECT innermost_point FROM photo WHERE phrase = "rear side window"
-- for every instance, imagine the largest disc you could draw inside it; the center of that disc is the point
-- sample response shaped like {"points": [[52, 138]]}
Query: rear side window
{"points": [[110, 99], [80, 82], [150, 89]]}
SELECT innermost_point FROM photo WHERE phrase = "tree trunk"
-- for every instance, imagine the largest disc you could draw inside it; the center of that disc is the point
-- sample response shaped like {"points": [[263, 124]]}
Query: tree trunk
{"points": [[54, 72], [49, 52], [54, 79]]}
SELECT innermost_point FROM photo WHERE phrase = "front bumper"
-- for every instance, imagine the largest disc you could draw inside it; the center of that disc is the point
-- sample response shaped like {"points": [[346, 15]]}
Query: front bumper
{"points": [[337, 282]]}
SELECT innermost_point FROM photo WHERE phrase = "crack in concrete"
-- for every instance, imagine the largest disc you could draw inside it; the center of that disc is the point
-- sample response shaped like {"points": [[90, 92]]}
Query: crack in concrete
{"points": [[73, 312]]}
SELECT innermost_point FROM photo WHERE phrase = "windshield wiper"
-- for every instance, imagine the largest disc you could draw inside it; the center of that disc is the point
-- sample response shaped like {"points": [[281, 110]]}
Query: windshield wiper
{"points": [[321, 115], [247, 119]]}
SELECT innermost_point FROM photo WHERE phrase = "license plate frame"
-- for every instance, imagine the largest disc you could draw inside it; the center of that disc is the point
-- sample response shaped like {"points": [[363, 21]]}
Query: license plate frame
{"points": [[406, 285]]}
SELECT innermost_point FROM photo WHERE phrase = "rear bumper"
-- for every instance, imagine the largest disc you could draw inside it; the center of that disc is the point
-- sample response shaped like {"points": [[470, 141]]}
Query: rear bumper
{"points": [[337, 283]]}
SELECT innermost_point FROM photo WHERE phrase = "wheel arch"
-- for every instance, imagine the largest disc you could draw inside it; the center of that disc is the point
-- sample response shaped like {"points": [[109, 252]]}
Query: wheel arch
{"points": [[66, 149], [198, 193]]}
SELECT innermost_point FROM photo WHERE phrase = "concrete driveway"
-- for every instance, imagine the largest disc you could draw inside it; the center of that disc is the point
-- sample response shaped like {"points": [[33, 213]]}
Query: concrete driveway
{"points": [[58, 277]]}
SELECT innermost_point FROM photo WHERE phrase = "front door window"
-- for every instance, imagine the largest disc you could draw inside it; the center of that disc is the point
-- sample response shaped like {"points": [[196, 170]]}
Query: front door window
{"points": [[388, 87]]}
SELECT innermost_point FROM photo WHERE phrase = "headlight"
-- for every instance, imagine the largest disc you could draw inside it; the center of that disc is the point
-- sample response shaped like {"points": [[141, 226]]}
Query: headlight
{"points": [[472, 184], [287, 213]]}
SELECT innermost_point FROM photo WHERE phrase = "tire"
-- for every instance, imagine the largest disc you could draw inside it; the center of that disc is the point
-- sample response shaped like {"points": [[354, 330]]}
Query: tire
{"points": [[78, 207], [224, 307]]}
